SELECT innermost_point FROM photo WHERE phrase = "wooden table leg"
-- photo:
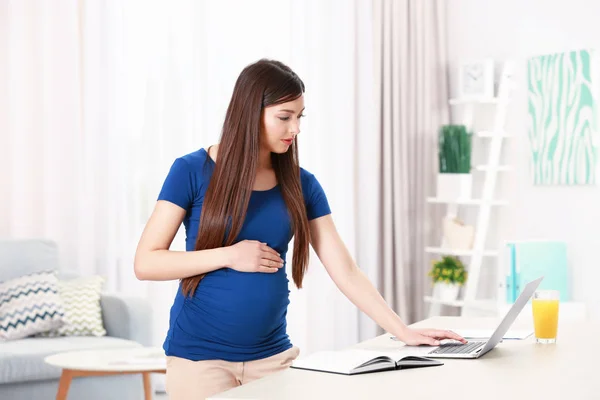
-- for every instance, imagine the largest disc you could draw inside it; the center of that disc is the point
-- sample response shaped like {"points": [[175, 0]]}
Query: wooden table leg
{"points": [[147, 386], [64, 384], [68, 375]]}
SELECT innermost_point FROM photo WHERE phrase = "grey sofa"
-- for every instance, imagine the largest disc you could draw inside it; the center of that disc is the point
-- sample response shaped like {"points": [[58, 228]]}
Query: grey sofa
{"points": [[23, 373]]}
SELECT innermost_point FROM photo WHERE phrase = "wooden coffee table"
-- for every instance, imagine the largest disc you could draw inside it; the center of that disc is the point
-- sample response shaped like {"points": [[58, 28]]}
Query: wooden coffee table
{"points": [[103, 362]]}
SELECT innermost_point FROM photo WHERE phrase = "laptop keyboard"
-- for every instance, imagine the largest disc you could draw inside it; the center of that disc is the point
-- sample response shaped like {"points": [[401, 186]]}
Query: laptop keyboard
{"points": [[458, 348]]}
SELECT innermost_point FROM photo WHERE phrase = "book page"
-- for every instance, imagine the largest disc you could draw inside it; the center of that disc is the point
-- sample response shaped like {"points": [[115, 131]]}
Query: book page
{"points": [[396, 352], [406, 351], [342, 361]]}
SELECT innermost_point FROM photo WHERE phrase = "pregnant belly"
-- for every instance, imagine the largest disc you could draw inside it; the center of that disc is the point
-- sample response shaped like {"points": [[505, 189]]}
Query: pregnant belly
{"points": [[236, 308]]}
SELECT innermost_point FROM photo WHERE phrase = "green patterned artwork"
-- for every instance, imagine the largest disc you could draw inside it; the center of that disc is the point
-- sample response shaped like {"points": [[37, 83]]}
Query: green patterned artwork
{"points": [[562, 123]]}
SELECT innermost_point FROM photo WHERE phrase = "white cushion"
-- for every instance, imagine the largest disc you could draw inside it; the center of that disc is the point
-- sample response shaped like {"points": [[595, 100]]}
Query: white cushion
{"points": [[83, 314], [29, 305]]}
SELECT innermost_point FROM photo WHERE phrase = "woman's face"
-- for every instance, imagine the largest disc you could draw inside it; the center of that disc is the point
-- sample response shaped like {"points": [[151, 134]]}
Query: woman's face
{"points": [[281, 125]]}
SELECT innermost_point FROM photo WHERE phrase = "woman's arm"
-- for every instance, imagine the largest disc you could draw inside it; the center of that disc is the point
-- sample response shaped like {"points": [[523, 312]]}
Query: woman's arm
{"points": [[155, 262], [153, 259], [358, 289]]}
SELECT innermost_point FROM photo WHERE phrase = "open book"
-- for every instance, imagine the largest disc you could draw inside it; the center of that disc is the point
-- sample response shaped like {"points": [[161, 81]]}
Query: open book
{"points": [[358, 361]]}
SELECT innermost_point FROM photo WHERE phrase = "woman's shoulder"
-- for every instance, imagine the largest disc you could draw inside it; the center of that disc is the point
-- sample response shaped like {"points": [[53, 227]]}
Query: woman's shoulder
{"points": [[305, 176], [196, 165], [314, 195], [195, 159], [308, 181]]}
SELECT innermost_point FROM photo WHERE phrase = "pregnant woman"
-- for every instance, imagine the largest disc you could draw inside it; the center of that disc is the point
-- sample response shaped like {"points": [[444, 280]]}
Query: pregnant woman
{"points": [[241, 202]]}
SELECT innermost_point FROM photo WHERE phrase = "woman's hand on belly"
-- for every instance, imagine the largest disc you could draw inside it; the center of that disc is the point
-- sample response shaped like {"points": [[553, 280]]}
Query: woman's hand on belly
{"points": [[253, 256]]}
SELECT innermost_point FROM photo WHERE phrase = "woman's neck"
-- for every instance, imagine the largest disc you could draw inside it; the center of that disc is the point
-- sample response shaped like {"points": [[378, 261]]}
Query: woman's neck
{"points": [[264, 159]]}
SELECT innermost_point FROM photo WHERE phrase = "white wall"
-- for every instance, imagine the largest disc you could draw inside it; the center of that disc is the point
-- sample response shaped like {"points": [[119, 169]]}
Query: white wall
{"points": [[517, 30]]}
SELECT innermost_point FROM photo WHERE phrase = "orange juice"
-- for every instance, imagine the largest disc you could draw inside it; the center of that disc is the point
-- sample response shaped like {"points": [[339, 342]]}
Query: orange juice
{"points": [[545, 318]]}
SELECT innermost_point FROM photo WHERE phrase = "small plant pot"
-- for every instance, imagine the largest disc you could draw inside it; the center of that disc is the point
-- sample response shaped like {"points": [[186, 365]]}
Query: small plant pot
{"points": [[447, 291], [454, 186]]}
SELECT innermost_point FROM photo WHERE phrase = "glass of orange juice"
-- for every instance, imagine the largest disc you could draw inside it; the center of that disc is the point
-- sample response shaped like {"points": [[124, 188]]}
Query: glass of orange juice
{"points": [[545, 315]]}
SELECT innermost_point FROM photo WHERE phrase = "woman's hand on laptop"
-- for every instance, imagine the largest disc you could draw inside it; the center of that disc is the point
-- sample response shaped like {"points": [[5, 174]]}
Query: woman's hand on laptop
{"points": [[432, 337]]}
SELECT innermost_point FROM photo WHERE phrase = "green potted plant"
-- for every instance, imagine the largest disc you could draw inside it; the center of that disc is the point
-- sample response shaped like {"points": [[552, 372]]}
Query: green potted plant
{"points": [[454, 154], [448, 275]]}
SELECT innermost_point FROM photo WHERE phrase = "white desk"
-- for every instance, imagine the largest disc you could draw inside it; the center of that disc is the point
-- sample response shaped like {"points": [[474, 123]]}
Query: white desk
{"points": [[515, 369]]}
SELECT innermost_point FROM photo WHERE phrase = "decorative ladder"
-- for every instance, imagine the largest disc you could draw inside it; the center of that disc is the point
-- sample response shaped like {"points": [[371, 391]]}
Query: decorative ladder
{"points": [[469, 305]]}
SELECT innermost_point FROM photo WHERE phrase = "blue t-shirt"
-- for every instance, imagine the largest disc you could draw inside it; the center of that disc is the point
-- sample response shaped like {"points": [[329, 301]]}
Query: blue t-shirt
{"points": [[234, 316]]}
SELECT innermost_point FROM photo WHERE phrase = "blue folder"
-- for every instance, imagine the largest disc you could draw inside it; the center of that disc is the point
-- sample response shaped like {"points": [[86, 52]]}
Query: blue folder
{"points": [[532, 259]]}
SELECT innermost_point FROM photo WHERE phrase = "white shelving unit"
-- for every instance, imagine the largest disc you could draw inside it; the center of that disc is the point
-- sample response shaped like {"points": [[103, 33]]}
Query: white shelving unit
{"points": [[481, 305], [468, 304], [490, 134], [499, 168], [460, 253]]}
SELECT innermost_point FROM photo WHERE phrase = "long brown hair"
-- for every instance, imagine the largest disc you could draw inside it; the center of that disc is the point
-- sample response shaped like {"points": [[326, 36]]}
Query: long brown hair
{"points": [[262, 84]]}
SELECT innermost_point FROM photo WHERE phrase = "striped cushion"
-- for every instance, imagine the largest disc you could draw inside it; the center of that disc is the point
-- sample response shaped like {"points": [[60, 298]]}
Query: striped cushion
{"points": [[29, 304], [83, 315]]}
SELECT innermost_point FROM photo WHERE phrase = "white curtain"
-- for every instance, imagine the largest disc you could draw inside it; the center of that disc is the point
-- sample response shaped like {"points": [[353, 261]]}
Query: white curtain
{"points": [[101, 97], [331, 49], [412, 103], [63, 119]]}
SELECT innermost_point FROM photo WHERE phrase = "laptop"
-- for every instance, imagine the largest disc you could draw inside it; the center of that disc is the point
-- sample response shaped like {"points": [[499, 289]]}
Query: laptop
{"points": [[476, 349]]}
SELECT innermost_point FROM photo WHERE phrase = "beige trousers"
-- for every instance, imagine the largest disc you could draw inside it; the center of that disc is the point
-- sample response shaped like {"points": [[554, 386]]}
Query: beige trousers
{"points": [[195, 380]]}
